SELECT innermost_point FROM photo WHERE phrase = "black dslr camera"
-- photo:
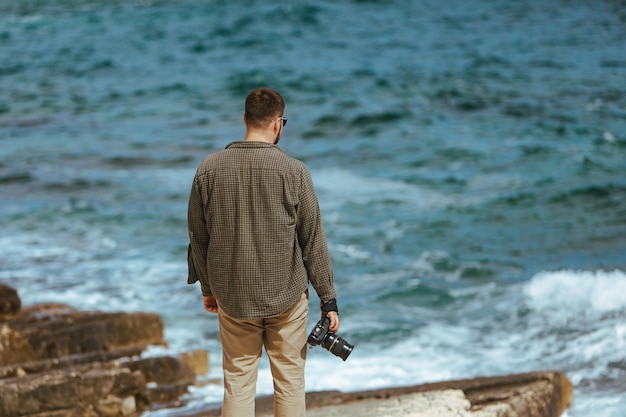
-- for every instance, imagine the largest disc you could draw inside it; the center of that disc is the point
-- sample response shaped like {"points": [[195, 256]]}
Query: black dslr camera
{"points": [[320, 335]]}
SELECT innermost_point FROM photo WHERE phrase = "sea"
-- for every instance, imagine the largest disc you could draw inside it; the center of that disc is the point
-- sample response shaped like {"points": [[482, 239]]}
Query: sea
{"points": [[469, 159]]}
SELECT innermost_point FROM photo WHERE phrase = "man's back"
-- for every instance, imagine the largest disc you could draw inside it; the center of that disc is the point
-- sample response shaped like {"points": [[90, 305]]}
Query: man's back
{"points": [[258, 205]]}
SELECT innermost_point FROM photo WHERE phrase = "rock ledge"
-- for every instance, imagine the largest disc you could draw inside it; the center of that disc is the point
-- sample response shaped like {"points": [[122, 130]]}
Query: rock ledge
{"points": [[57, 361]]}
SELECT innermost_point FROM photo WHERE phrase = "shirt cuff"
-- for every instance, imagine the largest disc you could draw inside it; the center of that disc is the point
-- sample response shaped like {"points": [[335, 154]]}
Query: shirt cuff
{"points": [[206, 290]]}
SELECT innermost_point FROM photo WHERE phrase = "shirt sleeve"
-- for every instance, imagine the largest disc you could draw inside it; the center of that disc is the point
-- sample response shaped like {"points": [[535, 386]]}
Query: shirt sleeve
{"points": [[312, 240], [198, 240]]}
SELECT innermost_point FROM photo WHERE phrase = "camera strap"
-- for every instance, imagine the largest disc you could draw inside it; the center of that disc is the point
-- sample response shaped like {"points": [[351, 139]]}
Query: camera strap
{"points": [[330, 305]]}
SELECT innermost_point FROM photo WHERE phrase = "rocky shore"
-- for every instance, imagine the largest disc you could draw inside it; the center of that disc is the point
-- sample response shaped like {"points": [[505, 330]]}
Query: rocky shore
{"points": [[57, 361]]}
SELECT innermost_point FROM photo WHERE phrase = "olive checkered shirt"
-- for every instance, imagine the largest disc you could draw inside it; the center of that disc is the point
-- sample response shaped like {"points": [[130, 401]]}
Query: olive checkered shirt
{"points": [[255, 230]]}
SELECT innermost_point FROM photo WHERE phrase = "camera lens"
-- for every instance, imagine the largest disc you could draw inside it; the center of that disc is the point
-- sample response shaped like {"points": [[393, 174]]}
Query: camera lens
{"points": [[329, 340], [337, 346]]}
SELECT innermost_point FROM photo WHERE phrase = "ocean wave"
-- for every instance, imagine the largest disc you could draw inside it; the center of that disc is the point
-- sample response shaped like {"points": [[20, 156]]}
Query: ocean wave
{"points": [[75, 184], [442, 265], [570, 294], [16, 178], [342, 186], [141, 161], [590, 193]]}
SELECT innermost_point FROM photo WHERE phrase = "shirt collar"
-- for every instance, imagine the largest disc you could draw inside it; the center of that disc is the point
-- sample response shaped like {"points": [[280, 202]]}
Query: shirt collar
{"points": [[252, 145]]}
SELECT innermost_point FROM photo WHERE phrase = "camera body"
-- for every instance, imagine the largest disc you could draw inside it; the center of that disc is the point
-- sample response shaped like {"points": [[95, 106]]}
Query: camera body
{"points": [[320, 335]]}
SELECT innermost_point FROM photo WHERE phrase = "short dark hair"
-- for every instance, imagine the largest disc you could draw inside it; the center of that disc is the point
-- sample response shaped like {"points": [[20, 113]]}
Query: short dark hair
{"points": [[263, 105]]}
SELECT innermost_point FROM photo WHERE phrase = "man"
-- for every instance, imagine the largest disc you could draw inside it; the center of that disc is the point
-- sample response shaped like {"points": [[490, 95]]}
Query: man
{"points": [[256, 241]]}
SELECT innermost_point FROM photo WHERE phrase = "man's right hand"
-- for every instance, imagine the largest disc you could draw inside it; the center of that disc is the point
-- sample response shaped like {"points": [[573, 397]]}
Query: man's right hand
{"points": [[210, 303], [334, 320]]}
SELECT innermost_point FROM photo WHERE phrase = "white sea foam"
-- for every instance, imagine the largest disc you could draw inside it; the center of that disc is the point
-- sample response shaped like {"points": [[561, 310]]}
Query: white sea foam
{"points": [[572, 293], [576, 324], [339, 186]]}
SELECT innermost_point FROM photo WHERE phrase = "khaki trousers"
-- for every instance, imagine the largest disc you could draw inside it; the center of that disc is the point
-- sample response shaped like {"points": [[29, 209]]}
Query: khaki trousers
{"points": [[284, 337]]}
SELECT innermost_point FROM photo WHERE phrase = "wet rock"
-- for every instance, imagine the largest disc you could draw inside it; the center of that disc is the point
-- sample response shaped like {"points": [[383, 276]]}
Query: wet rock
{"points": [[58, 361], [198, 360], [75, 390], [14, 347], [10, 302], [57, 330], [167, 377]]}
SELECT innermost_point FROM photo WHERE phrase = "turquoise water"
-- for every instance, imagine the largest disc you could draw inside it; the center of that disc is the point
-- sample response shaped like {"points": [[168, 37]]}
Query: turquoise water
{"points": [[469, 158]]}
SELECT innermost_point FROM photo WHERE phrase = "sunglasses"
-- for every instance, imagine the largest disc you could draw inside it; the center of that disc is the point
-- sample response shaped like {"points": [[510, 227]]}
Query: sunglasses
{"points": [[283, 118]]}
